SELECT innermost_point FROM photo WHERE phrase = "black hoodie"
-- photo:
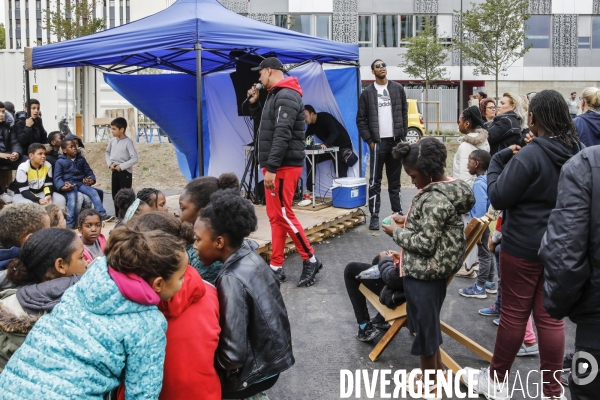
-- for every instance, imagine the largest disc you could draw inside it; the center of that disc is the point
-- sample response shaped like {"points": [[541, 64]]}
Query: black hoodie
{"points": [[504, 130], [526, 187]]}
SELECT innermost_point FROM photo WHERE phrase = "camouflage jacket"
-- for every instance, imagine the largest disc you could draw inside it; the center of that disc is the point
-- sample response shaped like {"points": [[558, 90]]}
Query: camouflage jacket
{"points": [[433, 239]]}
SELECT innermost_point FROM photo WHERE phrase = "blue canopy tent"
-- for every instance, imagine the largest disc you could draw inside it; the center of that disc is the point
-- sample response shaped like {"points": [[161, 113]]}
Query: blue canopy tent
{"points": [[190, 36]]}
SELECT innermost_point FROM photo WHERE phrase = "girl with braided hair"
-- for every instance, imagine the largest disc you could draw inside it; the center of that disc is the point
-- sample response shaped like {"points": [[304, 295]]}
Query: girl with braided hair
{"points": [[154, 198], [524, 183], [432, 242]]}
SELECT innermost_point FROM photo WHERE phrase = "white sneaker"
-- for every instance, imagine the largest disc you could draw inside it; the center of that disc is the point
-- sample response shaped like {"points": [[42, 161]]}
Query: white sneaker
{"points": [[483, 385], [7, 198]]}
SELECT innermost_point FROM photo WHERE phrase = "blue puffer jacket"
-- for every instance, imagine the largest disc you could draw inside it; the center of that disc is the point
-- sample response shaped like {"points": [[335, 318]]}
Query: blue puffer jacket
{"points": [[72, 171], [93, 340]]}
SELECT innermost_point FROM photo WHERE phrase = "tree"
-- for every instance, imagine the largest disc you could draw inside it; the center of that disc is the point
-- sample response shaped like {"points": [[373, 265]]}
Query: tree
{"points": [[496, 36], [76, 19], [2, 36], [424, 58]]}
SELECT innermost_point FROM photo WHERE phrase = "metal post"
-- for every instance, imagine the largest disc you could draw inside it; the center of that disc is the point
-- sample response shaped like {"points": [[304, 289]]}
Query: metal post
{"points": [[461, 94], [359, 139], [198, 49], [27, 94]]}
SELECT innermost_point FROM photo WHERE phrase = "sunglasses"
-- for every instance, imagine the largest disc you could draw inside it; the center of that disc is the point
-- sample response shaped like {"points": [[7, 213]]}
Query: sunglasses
{"points": [[382, 65]]}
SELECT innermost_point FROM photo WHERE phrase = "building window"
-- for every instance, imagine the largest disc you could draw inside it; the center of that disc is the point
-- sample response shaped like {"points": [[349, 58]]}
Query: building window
{"points": [[17, 4], [595, 32], [310, 24], [538, 31], [387, 31], [121, 12], [323, 23], [583, 42], [18, 43], [127, 19], [38, 5], [364, 31]]}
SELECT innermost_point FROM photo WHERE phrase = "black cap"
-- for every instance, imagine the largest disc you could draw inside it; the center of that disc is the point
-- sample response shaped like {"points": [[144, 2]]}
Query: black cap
{"points": [[271, 62]]}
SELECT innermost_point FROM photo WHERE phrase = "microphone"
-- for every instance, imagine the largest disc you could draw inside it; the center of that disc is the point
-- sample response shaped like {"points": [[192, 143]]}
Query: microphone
{"points": [[258, 87]]}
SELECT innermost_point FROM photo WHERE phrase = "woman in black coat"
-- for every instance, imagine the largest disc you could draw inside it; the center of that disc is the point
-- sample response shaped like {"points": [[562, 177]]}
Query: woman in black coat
{"points": [[505, 129]]}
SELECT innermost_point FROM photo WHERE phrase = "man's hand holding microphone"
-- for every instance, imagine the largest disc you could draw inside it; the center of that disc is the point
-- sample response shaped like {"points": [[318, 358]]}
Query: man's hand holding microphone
{"points": [[253, 93]]}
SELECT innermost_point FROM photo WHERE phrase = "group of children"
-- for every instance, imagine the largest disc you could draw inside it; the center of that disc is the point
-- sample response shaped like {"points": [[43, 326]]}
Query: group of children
{"points": [[62, 176], [135, 303]]}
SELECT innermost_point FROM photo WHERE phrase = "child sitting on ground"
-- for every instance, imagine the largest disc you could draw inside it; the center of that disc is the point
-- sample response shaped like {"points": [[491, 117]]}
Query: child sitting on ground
{"points": [[479, 161], [58, 216], [89, 225], [34, 179], [433, 244], [193, 325], [154, 198], [73, 175], [23, 220], [50, 263], [107, 329], [54, 139], [129, 206], [255, 344], [194, 198]]}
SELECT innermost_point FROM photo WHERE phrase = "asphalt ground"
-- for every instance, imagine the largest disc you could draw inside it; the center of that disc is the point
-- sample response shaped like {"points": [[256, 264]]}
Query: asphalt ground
{"points": [[324, 327]]}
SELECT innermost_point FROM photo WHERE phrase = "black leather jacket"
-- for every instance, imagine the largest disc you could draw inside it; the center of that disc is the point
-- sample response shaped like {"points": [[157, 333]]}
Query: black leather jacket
{"points": [[255, 341]]}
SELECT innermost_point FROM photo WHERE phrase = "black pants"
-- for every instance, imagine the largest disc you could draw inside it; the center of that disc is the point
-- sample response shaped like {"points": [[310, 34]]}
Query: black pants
{"points": [[590, 390], [120, 180], [319, 158], [381, 154], [358, 300]]}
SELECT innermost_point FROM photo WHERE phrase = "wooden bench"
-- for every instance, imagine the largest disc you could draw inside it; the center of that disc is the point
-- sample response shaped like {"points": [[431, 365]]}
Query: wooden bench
{"points": [[397, 317]]}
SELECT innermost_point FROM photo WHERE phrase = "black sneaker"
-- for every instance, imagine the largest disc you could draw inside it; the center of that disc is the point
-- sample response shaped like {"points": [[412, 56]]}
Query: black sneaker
{"points": [[374, 223], [380, 323], [567, 362], [279, 274], [108, 218], [564, 378], [367, 334], [309, 271]]}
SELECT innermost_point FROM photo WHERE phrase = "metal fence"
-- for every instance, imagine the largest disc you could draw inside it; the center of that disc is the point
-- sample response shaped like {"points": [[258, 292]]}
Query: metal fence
{"points": [[448, 99]]}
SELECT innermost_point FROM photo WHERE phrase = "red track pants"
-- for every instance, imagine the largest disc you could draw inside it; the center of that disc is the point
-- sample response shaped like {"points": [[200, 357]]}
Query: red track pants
{"points": [[282, 218]]}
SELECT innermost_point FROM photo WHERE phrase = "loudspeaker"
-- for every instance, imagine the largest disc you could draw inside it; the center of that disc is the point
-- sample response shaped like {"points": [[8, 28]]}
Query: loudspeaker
{"points": [[243, 79]]}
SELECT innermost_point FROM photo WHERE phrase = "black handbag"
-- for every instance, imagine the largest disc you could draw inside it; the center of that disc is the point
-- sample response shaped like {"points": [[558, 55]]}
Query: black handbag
{"points": [[349, 157]]}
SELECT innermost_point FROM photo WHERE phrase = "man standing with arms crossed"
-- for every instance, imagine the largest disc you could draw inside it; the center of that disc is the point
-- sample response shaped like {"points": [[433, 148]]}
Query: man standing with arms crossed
{"points": [[382, 122], [281, 156]]}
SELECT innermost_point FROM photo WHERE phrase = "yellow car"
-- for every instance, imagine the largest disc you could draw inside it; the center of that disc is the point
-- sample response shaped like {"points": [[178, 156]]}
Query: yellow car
{"points": [[416, 129]]}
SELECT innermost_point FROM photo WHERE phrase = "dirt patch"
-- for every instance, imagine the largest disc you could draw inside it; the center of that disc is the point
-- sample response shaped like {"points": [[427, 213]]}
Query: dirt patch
{"points": [[157, 166]]}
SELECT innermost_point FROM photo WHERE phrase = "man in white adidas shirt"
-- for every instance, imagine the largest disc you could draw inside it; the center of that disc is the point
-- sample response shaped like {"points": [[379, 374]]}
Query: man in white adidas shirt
{"points": [[382, 121]]}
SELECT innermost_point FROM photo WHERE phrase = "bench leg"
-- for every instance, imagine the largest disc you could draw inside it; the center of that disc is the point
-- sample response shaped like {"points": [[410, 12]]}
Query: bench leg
{"points": [[387, 338], [466, 342]]}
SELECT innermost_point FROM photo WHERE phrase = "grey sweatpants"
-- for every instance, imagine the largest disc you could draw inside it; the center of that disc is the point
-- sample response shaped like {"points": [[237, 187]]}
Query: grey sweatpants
{"points": [[486, 264]]}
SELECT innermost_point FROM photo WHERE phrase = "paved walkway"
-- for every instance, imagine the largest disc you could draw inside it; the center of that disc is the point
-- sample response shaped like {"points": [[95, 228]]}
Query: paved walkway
{"points": [[324, 327]]}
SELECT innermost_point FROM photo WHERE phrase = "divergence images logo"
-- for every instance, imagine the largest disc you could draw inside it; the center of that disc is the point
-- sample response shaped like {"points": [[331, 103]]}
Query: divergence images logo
{"points": [[584, 371]]}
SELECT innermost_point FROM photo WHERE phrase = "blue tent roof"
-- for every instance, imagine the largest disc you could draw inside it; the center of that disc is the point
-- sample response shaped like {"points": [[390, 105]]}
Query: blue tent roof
{"points": [[166, 40]]}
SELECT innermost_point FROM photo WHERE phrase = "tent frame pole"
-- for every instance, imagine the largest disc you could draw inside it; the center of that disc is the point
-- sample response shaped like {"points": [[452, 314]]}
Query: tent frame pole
{"points": [[27, 94], [198, 49], [360, 147]]}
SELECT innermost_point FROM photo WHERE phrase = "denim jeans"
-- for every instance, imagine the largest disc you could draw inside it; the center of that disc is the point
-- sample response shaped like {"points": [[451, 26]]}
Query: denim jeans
{"points": [[72, 203]]}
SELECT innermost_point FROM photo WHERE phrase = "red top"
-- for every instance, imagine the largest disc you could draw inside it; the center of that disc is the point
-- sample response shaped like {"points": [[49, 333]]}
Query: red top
{"points": [[192, 339], [288, 83]]}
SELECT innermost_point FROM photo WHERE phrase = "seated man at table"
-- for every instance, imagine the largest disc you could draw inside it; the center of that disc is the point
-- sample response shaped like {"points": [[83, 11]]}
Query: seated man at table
{"points": [[333, 134]]}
